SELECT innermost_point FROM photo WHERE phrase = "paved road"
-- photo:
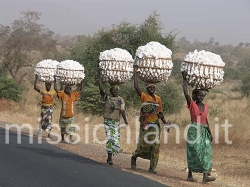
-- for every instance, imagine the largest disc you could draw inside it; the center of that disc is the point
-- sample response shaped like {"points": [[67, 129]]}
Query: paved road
{"points": [[35, 165]]}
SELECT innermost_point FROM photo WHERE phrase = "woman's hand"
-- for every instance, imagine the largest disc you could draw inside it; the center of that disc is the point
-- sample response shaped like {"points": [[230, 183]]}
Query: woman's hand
{"points": [[135, 68]]}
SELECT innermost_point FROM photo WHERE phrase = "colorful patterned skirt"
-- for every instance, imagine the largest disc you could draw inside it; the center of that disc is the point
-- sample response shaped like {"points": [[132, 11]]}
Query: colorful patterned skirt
{"points": [[148, 146], [46, 117], [112, 130], [199, 149], [64, 123]]}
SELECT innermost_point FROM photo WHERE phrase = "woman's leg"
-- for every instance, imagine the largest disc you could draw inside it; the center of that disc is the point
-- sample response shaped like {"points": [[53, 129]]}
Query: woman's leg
{"points": [[142, 149], [109, 160], [154, 157], [50, 115], [112, 131], [62, 135], [190, 176], [133, 162]]}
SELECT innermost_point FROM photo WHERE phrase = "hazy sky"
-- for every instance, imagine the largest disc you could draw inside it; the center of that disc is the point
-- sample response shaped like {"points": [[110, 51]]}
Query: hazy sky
{"points": [[228, 21]]}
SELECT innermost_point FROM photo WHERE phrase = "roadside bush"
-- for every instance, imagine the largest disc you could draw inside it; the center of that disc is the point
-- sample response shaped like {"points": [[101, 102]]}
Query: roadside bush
{"points": [[10, 89]]}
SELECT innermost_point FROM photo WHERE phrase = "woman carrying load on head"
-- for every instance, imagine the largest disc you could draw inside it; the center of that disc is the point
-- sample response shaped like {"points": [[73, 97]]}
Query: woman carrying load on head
{"points": [[148, 146], [199, 136], [47, 106], [68, 99], [114, 108]]}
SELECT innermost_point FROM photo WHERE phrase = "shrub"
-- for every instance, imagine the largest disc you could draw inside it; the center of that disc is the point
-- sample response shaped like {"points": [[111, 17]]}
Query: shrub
{"points": [[130, 96], [10, 89], [90, 100], [231, 73], [172, 99]]}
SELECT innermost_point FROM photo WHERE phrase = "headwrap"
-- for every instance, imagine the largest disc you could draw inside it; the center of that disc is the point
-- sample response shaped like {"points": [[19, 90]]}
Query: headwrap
{"points": [[114, 86], [203, 91], [68, 85], [150, 84], [48, 82]]}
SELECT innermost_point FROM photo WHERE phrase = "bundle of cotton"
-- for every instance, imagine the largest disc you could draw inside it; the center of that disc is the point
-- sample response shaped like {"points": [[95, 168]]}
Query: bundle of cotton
{"points": [[70, 72], [46, 70], [154, 62], [204, 69], [116, 65]]}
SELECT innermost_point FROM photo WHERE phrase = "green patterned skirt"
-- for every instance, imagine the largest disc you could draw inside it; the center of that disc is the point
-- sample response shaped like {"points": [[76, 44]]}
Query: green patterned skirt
{"points": [[148, 146], [112, 130], [199, 149], [64, 123]]}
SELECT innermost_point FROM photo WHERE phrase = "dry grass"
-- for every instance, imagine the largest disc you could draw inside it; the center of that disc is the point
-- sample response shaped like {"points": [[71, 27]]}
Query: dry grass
{"points": [[231, 161]]}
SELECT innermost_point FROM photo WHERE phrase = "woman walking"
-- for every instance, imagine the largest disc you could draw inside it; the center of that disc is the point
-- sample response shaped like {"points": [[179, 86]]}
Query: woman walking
{"points": [[199, 137], [47, 106], [148, 146], [68, 99], [114, 108]]}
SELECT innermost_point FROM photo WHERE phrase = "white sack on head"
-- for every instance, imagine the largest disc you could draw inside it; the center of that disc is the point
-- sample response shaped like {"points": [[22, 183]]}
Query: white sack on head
{"points": [[153, 50], [204, 69], [70, 72], [46, 69], [154, 62], [116, 65]]}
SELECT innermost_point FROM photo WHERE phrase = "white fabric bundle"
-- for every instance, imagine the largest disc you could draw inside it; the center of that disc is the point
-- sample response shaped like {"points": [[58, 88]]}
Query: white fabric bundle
{"points": [[70, 72], [154, 62], [46, 69], [116, 65], [204, 69]]}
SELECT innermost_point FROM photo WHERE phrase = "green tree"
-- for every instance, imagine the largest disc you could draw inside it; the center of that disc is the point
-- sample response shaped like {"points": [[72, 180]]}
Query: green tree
{"points": [[124, 35], [171, 95], [183, 43], [216, 44], [241, 44], [211, 41], [247, 44], [244, 65], [245, 87], [244, 68], [22, 43], [90, 101]]}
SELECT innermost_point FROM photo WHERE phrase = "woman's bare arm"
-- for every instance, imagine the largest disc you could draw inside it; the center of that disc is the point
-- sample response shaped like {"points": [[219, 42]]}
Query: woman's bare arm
{"points": [[136, 85], [35, 84], [101, 88], [185, 90]]}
